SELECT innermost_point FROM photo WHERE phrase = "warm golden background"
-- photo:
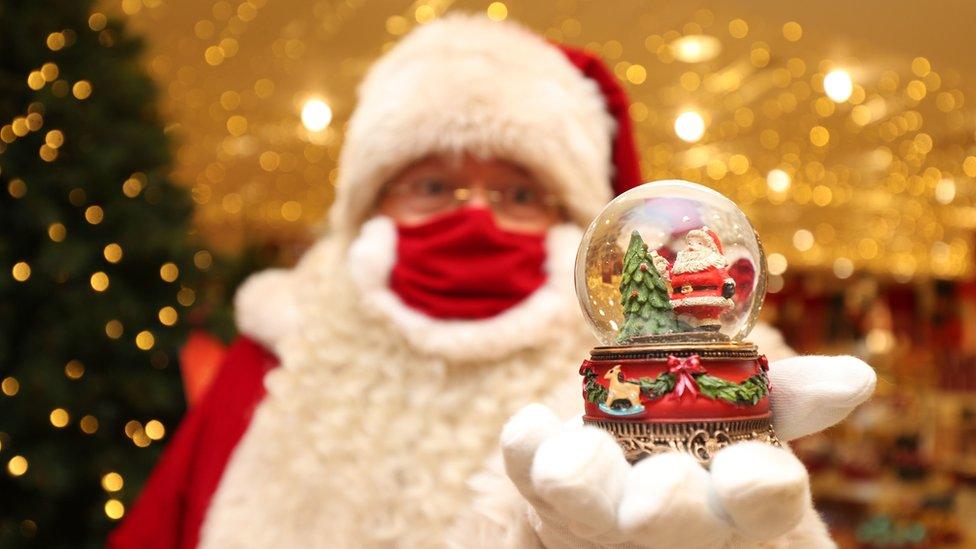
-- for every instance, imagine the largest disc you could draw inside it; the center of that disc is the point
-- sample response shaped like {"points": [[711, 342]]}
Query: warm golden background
{"points": [[861, 184], [882, 181]]}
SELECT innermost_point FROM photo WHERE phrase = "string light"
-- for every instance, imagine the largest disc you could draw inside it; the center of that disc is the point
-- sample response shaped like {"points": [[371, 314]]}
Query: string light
{"points": [[140, 439], [168, 316], [843, 267], [636, 74], [10, 386], [94, 214], [99, 281], [819, 136], [169, 272], [145, 340], [16, 188], [945, 191], [424, 13], [838, 85], [112, 252], [55, 41], [114, 509], [291, 210], [88, 424], [155, 430], [689, 126], [35, 80], [132, 187], [269, 161], [497, 11], [237, 125], [50, 71], [792, 31], [803, 240], [203, 260], [397, 25], [132, 427], [113, 329], [738, 28], [17, 466], [316, 115], [112, 482], [82, 89], [59, 418], [74, 369], [21, 271], [696, 48], [776, 264], [186, 296], [57, 232]]}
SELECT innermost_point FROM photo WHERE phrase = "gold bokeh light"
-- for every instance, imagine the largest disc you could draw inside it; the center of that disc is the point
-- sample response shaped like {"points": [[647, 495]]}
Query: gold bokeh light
{"points": [[774, 112]]}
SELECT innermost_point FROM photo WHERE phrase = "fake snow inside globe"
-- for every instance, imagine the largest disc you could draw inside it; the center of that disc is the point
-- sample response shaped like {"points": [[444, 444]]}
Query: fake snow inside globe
{"points": [[670, 261], [671, 277]]}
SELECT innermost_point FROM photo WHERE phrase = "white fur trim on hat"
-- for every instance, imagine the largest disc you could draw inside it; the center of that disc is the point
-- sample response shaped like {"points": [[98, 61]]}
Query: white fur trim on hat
{"points": [[467, 84]]}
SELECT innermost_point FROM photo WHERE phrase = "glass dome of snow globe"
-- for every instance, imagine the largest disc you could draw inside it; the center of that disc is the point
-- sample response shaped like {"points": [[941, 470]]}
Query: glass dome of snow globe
{"points": [[669, 262]]}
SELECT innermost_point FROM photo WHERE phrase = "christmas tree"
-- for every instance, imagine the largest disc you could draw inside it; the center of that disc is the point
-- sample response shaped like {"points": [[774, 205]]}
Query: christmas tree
{"points": [[643, 295], [96, 275]]}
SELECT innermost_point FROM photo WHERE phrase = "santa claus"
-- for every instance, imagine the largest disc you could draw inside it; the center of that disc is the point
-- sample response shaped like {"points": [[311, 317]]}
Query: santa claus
{"points": [[701, 288], [364, 404]]}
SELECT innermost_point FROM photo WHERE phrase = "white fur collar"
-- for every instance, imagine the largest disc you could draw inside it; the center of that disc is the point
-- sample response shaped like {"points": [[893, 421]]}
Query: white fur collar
{"points": [[266, 306], [370, 261]]}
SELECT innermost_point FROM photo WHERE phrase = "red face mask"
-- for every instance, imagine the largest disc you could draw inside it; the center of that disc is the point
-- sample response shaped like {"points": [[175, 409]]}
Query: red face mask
{"points": [[462, 266]]}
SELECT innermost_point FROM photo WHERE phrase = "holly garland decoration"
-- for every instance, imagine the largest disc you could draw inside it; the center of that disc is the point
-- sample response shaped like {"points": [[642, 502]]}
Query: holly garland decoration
{"points": [[688, 373], [595, 393], [655, 388], [644, 295], [748, 391]]}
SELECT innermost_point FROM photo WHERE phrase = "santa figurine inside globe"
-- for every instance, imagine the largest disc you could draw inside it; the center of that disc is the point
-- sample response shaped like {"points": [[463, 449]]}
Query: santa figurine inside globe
{"points": [[701, 289], [671, 277]]}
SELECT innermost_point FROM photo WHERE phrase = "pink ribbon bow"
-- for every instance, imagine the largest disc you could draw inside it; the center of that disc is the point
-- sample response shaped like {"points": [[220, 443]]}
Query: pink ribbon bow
{"points": [[683, 371]]}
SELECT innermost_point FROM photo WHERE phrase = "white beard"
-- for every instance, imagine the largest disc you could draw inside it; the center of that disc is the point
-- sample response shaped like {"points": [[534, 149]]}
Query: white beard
{"points": [[697, 258], [369, 432]]}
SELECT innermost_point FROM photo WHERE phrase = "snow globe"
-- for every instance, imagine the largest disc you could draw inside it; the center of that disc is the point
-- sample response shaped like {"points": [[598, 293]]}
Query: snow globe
{"points": [[671, 277]]}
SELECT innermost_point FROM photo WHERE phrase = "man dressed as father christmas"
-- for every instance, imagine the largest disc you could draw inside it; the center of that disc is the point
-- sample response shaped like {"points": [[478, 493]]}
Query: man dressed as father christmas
{"points": [[406, 384]]}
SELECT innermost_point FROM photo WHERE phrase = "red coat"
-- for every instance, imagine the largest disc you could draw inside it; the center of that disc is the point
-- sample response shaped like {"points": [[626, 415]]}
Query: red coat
{"points": [[700, 293], [174, 501]]}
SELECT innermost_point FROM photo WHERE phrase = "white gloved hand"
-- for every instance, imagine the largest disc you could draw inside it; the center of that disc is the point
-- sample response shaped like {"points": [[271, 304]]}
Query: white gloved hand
{"points": [[583, 493]]}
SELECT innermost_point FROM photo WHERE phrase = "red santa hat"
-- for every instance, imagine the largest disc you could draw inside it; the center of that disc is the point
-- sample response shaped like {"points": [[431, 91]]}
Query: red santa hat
{"points": [[708, 238], [465, 83]]}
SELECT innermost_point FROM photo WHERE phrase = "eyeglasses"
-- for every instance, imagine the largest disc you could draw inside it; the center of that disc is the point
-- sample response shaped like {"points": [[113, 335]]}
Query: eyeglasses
{"points": [[518, 201]]}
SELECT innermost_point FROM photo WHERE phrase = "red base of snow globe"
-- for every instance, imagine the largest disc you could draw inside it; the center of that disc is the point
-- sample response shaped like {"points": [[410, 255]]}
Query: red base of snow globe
{"points": [[689, 397]]}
